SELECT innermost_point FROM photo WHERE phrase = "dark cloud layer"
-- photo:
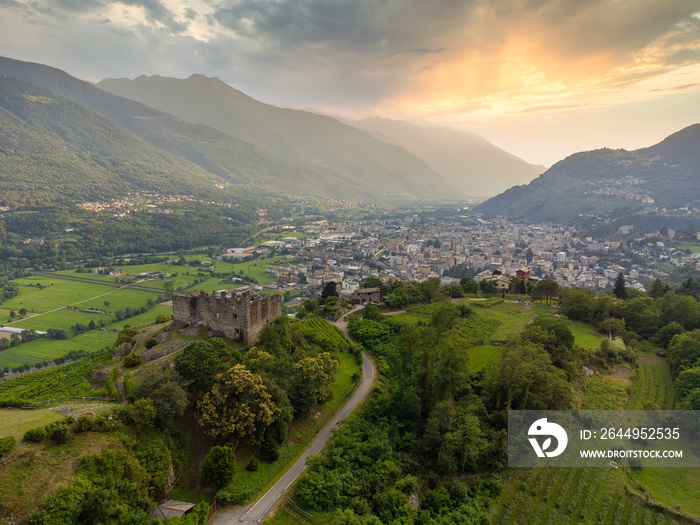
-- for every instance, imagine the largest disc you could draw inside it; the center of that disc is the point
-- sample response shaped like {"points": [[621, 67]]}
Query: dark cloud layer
{"points": [[435, 57]]}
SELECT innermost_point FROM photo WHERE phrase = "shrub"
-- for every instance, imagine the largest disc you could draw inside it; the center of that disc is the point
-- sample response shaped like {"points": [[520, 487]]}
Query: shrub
{"points": [[129, 386], [132, 360], [7, 445], [83, 424], [252, 465], [218, 466], [111, 385], [163, 318], [150, 343], [34, 435], [60, 435]]}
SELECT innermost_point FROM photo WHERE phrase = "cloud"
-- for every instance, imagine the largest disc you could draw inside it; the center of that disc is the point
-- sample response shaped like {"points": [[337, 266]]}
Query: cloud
{"points": [[157, 12], [404, 56]]}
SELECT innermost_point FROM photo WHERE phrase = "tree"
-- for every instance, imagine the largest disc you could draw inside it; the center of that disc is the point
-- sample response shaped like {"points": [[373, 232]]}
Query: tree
{"points": [[313, 377], [545, 289], [555, 337], [22, 311], [330, 290], [519, 286], [620, 289], [688, 287], [141, 412], [657, 289], [13, 314], [684, 351], [687, 380], [238, 406], [612, 326], [469, 285], [219, 466], [29, 335], [200, 362], [487, 287]]}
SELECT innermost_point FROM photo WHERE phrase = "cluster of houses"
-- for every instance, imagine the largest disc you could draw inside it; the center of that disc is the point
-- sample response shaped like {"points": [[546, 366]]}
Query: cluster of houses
{"points": [[496, 250]]}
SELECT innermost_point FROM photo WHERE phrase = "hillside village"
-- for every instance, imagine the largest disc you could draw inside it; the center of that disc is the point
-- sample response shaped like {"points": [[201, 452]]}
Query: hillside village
{"points": [[414, 249]]}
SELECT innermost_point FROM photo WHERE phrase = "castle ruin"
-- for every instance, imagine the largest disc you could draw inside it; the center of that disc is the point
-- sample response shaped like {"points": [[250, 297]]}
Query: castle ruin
{"points": [[233, 314]]}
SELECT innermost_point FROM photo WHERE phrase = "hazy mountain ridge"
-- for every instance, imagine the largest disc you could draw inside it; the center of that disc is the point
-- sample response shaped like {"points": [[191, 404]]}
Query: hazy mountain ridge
{"points": [[322, 142], [248, 167], [469, 162], [609, 182]]}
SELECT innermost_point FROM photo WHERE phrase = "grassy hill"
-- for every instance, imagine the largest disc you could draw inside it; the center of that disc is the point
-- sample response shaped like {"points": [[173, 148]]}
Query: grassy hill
{"points": [[53, 150]]}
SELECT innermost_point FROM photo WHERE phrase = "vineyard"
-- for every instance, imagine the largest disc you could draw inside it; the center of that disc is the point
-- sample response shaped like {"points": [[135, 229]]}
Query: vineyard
{"points": [[652, 385], [72, 380], [593, 495], [323, 333], [574, 495]]}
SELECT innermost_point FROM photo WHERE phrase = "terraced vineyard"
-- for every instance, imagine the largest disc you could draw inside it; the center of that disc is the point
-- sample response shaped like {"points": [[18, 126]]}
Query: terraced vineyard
{"points": [[324, 331], [71, 380], [653, 384], [556, 496]]}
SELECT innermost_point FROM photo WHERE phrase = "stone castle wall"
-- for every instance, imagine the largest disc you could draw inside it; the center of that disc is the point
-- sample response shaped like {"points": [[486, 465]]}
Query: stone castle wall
{"points": [[232, 313]]}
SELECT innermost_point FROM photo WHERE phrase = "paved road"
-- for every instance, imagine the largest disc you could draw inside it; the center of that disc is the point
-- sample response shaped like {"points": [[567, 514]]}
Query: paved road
{"points": [[257, 512]]}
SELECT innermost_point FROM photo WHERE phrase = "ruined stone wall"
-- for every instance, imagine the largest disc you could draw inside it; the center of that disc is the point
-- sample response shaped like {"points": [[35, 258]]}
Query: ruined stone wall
{"points": [[231, 313]]}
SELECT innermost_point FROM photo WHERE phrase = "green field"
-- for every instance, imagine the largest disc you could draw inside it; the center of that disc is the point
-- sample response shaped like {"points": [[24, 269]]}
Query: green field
{"points": [[652, 384], [142, 319], [480, 356], [56, 293], [63, 318], [16, 422], [570, 495], [47, 309]]}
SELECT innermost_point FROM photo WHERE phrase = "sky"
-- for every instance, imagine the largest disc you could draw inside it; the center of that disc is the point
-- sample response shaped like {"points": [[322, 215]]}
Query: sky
{"points": [[540, 78]]}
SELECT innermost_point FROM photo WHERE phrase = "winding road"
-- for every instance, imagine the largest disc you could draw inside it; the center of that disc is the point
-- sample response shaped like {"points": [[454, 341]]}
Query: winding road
{"points": [[256, 512]]}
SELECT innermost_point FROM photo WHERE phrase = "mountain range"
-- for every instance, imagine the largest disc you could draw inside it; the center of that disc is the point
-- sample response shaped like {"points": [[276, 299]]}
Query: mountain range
{"points": [[610, 183], [64, 139]]}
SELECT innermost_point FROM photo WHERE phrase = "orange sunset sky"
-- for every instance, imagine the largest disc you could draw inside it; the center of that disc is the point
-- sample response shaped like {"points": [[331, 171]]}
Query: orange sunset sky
{"points": [[539, 78]]}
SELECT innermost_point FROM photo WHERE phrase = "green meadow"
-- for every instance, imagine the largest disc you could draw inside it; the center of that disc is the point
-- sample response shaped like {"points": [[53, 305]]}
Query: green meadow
{"points": [[16, 422], [55, 293]]}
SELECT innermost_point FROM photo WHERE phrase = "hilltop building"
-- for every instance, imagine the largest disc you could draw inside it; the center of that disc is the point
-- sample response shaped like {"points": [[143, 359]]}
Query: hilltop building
{"points": [[234, 314]]}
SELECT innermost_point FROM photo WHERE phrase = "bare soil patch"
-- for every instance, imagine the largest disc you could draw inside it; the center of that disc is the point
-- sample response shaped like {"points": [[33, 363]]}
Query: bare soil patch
{"points": [[622, 372]]}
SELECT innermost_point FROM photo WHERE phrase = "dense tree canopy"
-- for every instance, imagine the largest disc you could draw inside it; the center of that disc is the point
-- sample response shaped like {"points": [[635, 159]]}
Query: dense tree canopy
{"points": [[238, 406]]}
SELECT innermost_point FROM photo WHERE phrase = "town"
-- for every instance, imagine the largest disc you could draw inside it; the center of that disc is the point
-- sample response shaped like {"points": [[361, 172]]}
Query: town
{"points": [[415, 249]]}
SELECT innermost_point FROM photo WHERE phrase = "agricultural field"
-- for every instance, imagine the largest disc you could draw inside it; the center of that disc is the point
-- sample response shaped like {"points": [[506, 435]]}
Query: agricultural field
{"points": [[653, 386], [590, 495], [67, 381], [52, 294], [571, 495], [605, 393], [586, 495]]}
